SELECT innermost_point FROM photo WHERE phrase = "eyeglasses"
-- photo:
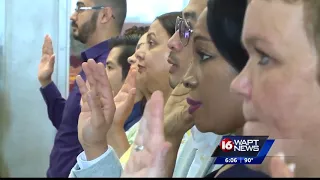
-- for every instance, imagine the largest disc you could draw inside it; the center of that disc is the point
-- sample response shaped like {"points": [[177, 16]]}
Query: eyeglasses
{"points": [[184, 29], [80, 9]]}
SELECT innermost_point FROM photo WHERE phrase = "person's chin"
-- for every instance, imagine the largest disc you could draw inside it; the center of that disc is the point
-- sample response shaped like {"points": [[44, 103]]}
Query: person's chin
{"points": [[75, 32], [255, 128], [173, 81], [200, 121]]}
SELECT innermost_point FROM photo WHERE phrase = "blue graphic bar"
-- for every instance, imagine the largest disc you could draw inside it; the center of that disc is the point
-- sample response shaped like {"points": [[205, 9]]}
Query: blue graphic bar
{"points": [[238, 160], [247, 160]]}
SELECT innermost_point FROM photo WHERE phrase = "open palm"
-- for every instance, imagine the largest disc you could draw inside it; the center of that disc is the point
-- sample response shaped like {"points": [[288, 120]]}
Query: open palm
{"points": [[46, 65], [97, 109], [150, 162], [124, 100], [177, 118]]}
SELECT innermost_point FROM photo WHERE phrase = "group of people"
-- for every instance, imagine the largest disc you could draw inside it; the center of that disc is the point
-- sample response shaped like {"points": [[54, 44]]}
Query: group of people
{"points": [[155, 101]]}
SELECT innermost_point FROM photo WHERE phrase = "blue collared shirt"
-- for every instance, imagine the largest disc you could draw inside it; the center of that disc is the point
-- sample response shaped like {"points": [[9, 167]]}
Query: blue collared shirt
{"points": [[135, 115]]}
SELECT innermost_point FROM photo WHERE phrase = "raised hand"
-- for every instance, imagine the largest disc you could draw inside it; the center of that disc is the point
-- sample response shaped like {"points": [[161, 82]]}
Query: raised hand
{"points": [[177, 118], [124, 102], [125, 99], [279, 169], [46, 65], [176, 123], [150, 161], [97, 109]]}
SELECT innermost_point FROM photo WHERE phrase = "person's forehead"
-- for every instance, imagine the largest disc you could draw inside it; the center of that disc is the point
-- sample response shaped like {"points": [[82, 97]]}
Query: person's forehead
{"points": [[156, 29], [85, 2], [194, 9], [143, 39], [271, 20], [115, 52], [201, 25]]}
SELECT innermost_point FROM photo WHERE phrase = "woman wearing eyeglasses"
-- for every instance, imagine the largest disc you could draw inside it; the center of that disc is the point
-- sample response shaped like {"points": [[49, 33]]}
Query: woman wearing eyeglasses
{"points": [[150, 61], [212, 105]]}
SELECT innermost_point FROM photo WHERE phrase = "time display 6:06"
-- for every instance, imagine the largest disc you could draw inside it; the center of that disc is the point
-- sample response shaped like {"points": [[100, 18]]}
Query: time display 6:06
{"points": [[231, 160]]}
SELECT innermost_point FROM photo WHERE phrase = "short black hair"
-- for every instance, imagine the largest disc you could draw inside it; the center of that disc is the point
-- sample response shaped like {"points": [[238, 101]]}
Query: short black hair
{"points": [[225, 22], [119, 8], [128, 46], [168, 21]]}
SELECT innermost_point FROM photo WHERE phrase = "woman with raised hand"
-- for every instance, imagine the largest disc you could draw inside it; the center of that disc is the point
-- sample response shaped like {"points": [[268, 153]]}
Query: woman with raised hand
{"points": [[152, 72], [213, 107]]}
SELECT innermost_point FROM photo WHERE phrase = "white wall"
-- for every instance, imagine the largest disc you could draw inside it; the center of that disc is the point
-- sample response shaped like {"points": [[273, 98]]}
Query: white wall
{"points": [[29, 135], [145, 11]]}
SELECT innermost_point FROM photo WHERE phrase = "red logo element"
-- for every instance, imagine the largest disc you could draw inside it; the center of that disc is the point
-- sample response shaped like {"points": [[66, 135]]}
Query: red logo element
{"points": [[226, 145]]}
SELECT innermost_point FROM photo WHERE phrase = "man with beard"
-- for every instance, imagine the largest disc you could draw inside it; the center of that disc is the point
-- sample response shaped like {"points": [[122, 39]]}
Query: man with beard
{"points": [[93, 23]]}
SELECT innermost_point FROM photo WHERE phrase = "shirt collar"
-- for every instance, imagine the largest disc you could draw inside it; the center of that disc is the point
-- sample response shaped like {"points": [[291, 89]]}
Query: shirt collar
{"points": [[204, 141], [95, 51], [136, 113]]}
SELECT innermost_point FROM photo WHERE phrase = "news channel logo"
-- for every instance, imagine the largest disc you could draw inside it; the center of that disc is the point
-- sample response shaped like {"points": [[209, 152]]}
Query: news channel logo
{"points": [[242, 149]]}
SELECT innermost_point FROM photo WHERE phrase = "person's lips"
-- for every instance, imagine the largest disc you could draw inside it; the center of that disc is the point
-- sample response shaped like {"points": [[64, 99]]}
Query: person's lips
{"points": [[141, 68], [173, 67], [73, 24], [194, 105]]}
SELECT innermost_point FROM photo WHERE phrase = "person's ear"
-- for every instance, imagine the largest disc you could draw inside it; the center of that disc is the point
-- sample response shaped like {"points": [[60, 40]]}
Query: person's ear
{"points": [[107, 15]]}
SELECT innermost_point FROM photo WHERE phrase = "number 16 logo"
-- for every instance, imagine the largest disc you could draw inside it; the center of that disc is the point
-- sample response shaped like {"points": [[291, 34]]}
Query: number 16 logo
{"points": [[226, 145]]}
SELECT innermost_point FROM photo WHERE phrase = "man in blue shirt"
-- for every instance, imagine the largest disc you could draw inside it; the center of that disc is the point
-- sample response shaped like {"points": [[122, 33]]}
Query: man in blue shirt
{"points": [[94, 22]]}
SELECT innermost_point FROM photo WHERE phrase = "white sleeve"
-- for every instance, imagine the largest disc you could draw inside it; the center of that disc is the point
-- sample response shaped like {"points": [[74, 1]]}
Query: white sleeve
{"points": [[84, 164], [107, 165]]}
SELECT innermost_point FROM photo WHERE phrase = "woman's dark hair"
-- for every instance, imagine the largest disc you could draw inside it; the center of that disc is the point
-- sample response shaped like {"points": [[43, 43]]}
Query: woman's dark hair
{"points": [[128, 46], [168, 21], [135, 30], [225, 22]]}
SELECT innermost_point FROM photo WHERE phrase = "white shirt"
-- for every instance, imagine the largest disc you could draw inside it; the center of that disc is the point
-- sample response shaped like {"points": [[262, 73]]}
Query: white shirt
{"points": [[205, 144], [202, 143], [84, 164]]}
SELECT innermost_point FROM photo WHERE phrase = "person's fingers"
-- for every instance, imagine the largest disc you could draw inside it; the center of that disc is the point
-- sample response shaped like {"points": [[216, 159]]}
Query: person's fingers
{"points": [[159, 163], [143, 122], [279, 168], [89, 74], [155, 125], [132, 96], [186, 117], [97, 120], [151, 123], [180, 90], [52, 60], [49, 46], [82, 85], [95, 68], [104, 87], [45, 45], [130, 81], [131, 78], [82, 88]]}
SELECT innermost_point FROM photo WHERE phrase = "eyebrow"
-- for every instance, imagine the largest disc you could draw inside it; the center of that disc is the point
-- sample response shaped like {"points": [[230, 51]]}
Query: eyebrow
{"points": [[151, 34], [139, 45], [80, 3], [190, 15], [109, 63], [253, 40], [198, 37]]}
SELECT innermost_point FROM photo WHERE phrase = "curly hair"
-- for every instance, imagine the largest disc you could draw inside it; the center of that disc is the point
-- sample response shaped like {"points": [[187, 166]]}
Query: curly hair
{"points": [[135, 30]]}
